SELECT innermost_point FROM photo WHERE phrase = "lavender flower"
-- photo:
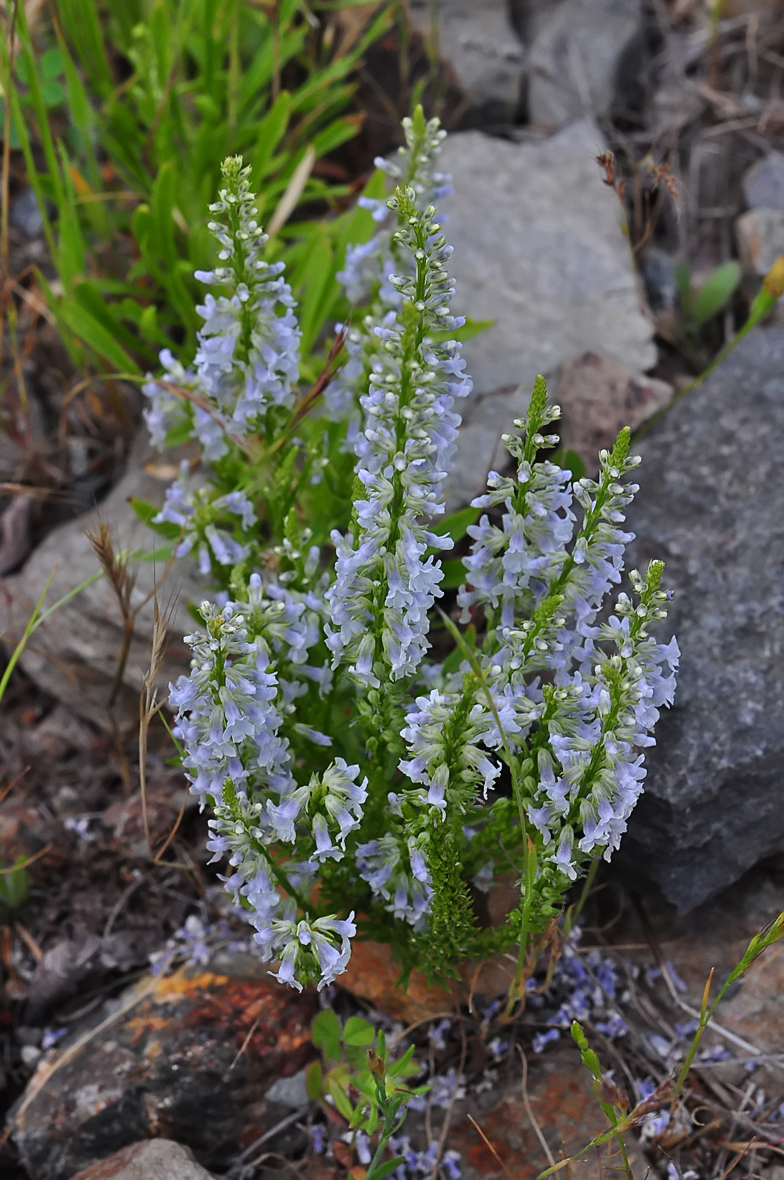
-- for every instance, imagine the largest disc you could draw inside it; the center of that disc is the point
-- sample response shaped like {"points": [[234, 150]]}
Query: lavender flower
{"points": [[248, 354], [277, 742], [385, 582], [543, 1039], [317, 950], [445, 735], [369, 263], [200, 514], [397, 875], [247, 359], [228, 719], [166, 412]]}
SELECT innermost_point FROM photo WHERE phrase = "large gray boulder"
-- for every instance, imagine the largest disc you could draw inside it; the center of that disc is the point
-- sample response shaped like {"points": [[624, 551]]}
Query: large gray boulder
{"points": [[711, 504], [540, 251], [576, 58], [73, 656], [483, 51]]}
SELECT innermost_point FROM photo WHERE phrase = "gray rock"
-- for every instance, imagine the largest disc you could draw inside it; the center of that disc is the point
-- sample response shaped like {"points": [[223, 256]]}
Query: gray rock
{"points": [[24, 214], [292, 1091], [188, 1055], [73, 655], [674, 106], [479, 448], [598, 398], [711, 504], [479, 43], [763, 184], [760, 237], [538, 250], [151, 1159], [576, 58]]}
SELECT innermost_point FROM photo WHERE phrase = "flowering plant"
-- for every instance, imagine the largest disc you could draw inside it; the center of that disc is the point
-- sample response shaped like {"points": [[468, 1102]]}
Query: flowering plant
{"points": [[346, 772]]}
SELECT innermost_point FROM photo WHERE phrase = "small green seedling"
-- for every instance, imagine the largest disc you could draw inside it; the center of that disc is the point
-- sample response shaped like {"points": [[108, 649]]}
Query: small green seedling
{"points": [[699, 305], [366, 1088], [14, 886]]}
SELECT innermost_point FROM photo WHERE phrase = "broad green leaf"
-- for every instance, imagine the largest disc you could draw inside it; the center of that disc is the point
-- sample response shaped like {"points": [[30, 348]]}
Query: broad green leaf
{"points": [[314, 1081], [358, 1032], [316, 277], [456, 523], [339, 1097], [454, 574], [717, 289], [146, 512], [14, 887], [388, 1166], [570, 461], [87, 328], [271, 130], [325, 1033], [469, 330]]}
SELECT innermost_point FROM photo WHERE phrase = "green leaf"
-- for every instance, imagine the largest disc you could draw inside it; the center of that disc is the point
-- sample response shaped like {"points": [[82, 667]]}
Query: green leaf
{"points": [[339, 1097], [358, 1032], [314, 1081], [51, 64], [456, 523], [325, 1033], [82, 27], [162, 214], [469, 330], [271, 129], [454, 573], [316, 276], [717, 289], [570, 461], [146, 511], [87, 328], [14, 887], [388, 1166], [52, 92]]}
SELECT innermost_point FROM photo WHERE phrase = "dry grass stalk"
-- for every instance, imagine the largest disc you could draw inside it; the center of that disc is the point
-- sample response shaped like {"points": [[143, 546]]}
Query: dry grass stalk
{"points": [[149, 707], [122, 580]]}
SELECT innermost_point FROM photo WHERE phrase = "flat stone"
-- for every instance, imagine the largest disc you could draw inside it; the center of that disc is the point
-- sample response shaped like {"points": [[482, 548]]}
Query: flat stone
{"points": [[485, 55], [711, 505], [598, 398], [24, 214], [575, 59], [73, 655], [564, 1105], [187, 1056], [674, 106], [540, 251], [760, 237], [290, 1091], [763, 183], [151, 1159]]}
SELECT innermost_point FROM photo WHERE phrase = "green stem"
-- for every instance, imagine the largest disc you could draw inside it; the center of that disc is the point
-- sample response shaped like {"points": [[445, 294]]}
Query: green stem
{"points": [[574, 913]]}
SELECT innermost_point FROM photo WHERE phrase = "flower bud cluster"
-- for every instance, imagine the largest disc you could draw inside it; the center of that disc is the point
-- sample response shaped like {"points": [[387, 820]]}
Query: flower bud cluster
{"points": [[385, 580], [205, 521], [383, 784], [247, 357], [368, 274]]}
